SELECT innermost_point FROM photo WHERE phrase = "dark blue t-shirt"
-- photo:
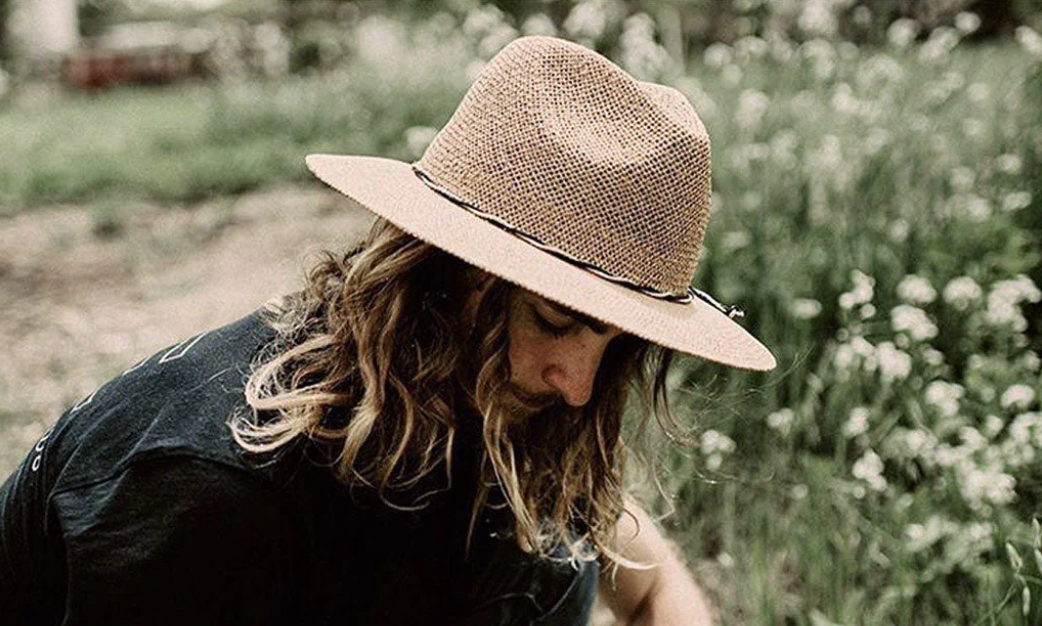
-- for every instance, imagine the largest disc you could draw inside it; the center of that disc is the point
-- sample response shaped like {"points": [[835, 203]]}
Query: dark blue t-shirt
{"points": [[139, 508]]}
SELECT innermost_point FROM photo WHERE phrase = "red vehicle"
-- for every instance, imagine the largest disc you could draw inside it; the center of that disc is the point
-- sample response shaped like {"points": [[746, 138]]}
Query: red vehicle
{"points": [[135, 54]]}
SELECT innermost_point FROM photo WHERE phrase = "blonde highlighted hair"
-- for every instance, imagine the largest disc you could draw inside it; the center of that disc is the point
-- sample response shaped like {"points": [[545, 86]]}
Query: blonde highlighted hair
{"points": [[373, 357]]}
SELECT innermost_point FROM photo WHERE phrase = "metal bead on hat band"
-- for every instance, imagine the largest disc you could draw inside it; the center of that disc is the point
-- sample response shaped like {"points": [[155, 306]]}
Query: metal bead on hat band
{"points": [[688, 296], [730, 310]]}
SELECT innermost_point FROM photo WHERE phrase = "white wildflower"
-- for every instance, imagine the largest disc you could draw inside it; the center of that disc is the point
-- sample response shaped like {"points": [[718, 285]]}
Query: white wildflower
{"points": [[781, 420], [853, 353], [782, 49], [866, 311], [752, 106], [863, 291], [961, 292], [902, 341], [857, 423], [590, 19], [488, 25], [961, 179], [725, 560], [732, 74], [783, 146], [1016, 454], [735, 239], [1008, 163], [948, 456], [843, 100], [1029, 39], [878, 138], [902, 32], [981, 486], [993, 425], [912, 320], [878, 71], [923, 536], [863, 348], [713, 442], [972, 438], [805, 308], [940, 42], [822, 57], [898, 230], [976, 208], [920, 443], [893, 364], [915, 289], [1016, 200], [417, 138], [974, 128], [869, 468], [638, 51], [718, 55], [934, 357], [749, 49], [539, 24], [1018, 397], [967, 22], [844, 358], [818, 18], [1003, 312], [1025, 428], [1030, 361], [944, 396], [1004, 299], [978, 93]]}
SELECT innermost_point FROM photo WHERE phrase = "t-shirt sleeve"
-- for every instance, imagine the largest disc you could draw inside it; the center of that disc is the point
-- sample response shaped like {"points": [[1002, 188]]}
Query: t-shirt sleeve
{"points": [[31, 558], [175, 540]]}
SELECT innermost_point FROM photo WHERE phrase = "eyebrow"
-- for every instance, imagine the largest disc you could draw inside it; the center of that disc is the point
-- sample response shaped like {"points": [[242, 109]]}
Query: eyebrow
{"points": [[598, 327]]}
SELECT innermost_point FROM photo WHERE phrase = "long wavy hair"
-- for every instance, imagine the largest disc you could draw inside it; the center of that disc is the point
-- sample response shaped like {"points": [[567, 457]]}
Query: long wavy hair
{"points": [[373, 358]]}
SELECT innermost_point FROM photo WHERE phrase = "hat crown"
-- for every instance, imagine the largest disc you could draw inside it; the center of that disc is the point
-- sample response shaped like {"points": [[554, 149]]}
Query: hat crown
{"points": [[566, 147]]}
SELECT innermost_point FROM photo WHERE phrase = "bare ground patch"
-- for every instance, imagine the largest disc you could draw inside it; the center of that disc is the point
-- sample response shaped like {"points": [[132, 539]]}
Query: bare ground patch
{"points": [[89, 290]]}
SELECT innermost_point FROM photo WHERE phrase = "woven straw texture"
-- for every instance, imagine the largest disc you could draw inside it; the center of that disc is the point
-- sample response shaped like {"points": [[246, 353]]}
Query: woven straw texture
{"points": [[564, 146], [610, 170]]}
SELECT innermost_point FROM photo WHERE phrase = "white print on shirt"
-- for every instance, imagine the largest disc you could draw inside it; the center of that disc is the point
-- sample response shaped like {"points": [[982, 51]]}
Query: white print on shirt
{"points": [[172, 354], [39, 449], [181, 349]]}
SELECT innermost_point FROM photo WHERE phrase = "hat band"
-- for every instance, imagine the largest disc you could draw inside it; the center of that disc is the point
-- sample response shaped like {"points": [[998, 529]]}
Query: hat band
{"points": [[730, 311]]}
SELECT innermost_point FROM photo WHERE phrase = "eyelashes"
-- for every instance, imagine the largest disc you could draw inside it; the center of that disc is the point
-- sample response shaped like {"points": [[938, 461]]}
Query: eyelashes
{"points": [[550, 329]]}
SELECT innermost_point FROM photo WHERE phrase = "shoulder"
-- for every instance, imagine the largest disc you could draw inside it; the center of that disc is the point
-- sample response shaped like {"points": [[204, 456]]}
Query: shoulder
{"points": [[176, 402]]}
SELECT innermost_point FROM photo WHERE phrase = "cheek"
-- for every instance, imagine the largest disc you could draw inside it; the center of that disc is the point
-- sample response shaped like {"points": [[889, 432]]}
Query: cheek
{"points": [[525, 350]]}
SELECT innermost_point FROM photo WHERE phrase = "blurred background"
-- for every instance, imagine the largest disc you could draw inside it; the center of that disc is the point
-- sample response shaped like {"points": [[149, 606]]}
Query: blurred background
{"points": [[877, 186]]}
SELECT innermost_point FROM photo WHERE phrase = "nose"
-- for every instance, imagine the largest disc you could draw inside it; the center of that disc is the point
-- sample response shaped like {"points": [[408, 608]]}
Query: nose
{"points": [[573, 371]]}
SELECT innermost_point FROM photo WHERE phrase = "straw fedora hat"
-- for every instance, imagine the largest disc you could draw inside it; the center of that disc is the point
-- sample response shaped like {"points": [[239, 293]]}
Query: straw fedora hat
{"points": [[561, 173]]}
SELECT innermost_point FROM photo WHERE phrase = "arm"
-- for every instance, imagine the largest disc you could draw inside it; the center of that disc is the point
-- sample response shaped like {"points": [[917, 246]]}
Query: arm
{"points": [[664, 595]]}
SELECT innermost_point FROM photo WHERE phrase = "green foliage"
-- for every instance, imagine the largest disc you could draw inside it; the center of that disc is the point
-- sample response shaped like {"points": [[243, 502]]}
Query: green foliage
{"points": [[870, 213]]}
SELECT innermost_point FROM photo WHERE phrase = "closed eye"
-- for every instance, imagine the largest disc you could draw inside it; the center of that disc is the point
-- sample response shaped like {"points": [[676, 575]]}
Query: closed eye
{"points": [[548, 327]]}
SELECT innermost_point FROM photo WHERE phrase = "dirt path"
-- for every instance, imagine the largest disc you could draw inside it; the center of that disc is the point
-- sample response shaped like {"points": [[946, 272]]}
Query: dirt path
{"points": [[78, 305]]}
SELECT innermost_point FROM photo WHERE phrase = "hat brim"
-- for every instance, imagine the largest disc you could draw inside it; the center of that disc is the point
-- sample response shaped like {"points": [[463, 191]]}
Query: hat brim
{"points": [[391, 189]]}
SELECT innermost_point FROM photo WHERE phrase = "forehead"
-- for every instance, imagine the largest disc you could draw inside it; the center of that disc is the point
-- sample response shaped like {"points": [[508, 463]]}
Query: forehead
{"points": [[597, 326]]}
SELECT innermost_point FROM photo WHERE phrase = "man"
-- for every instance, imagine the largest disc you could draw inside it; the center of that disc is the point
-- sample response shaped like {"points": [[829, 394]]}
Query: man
{"points": [[430, 431]]}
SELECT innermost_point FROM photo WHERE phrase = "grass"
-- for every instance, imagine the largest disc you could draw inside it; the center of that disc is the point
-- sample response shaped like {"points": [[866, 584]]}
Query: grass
{"points": [[187, 143]]}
